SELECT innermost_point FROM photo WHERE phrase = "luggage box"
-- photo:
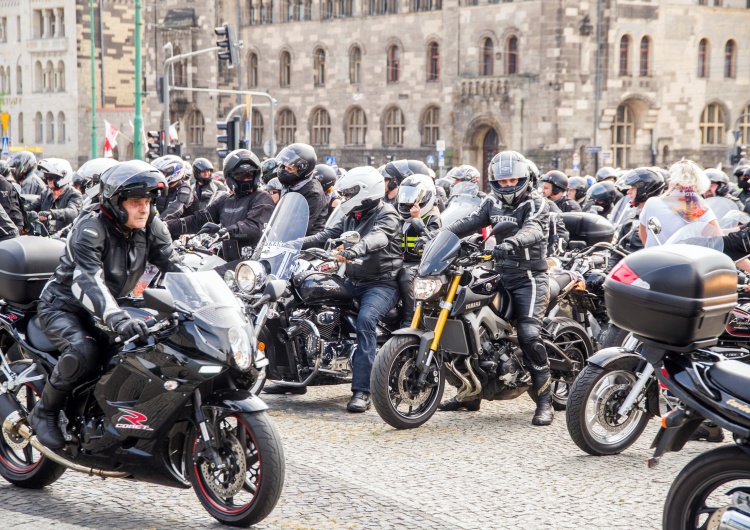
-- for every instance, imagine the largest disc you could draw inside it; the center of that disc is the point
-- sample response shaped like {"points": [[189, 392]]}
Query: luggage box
{"points": [[26, 263], [588, 227]]}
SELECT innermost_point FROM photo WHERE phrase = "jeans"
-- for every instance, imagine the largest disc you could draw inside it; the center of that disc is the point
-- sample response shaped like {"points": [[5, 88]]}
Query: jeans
{"points": [[374, 303]]}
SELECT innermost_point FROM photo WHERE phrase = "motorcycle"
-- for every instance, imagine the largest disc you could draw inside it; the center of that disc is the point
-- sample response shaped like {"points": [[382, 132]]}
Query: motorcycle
{"points": [[169, 411], [462, 331]]}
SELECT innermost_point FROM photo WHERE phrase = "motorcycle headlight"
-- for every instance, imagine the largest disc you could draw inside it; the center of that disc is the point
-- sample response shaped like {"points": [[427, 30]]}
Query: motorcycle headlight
{"points": [[426, 288], [249, 274], [239, 343]]}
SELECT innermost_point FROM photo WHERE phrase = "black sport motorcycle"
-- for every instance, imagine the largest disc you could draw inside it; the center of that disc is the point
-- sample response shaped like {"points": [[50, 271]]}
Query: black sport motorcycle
{"points": [[463, 332], [170, 411]]}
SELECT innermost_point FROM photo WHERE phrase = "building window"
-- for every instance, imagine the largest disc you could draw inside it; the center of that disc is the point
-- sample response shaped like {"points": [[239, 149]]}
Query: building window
{"points": [[38, 128], [263, 14], [328, 9], [60, 77], [744, 125], [425, 5], [3, 29], [319, 61], [19, 80], [488, 57], [382, 7], [433, 61], [729, 59], [703, 54], [345, 8], [512, 56], [50, 128], [38, 77], [394, 64], [60, 128], [321, 127], [430, 126], [286, 69], [622, 135], [356, 127], [48, 78], [712, 125], [624, 51], [355, 65], [20, 128], [252, 70], [287, 127], [196, 125], [393, 129], [3, 81], [644, 64], [256, 137], [250, 13]]}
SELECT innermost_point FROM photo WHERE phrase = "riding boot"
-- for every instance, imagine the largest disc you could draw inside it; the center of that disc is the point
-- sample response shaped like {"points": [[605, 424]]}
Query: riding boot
{"points": [[544, 413], [453, 404], [43, 419]]}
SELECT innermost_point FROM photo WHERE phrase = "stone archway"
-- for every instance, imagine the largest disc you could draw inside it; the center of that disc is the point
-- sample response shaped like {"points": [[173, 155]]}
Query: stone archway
{"points": [[483, 140]]}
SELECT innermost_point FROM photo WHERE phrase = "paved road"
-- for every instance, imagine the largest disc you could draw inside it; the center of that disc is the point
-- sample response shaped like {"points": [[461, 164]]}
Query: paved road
{"points": [[489, 469]]}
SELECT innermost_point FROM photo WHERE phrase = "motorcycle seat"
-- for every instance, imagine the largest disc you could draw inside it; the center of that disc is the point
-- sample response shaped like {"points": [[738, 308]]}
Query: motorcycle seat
{"points": [[733, 377], [36, 337], [557, 282]]}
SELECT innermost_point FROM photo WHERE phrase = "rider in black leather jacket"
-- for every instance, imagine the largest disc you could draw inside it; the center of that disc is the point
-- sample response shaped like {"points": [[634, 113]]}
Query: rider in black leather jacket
{"points": [[296, 164], [59, 204], [179, 199]]}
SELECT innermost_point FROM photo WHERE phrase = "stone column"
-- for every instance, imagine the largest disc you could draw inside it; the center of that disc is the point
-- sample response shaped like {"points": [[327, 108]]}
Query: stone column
{"points": [[45, 23]]}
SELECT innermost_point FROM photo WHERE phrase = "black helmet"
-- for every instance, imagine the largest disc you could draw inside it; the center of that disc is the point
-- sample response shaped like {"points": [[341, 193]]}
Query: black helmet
{"points": [[199, 166], [296, 163], [4, 169], [580, 185], [326, 175], [558, 180], [80, 182], [22, 164], [742, 172], [242, 171], [606, 172], [595, 281], [602, 194], [398, 170], [445, 184], [648, 182], [465, 173], [720, 178], [509, 165], [125, 180], [268, 169]]}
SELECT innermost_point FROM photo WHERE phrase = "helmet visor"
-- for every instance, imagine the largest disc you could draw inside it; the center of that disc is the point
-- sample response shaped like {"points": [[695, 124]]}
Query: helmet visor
{"points": [[508, 168], [245, 173], [411, 195], [292, 163], [348, 193], [401, 167]]}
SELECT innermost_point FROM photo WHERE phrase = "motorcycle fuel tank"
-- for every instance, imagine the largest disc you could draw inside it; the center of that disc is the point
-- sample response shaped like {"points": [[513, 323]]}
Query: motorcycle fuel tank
{"points": [[318, 289]]}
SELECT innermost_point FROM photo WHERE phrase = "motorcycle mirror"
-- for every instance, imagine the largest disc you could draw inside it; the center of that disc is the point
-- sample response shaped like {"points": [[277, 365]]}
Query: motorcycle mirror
{"points": [[654, 225], [160, 300], [209, 228], [275, 289], [350, 237], [503, 228]]}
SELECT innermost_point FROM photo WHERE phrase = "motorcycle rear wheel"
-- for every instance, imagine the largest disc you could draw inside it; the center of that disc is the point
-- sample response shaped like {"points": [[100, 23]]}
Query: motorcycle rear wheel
{"points": [[703, 482], [248, 488], [393, 384], [572, 339]]}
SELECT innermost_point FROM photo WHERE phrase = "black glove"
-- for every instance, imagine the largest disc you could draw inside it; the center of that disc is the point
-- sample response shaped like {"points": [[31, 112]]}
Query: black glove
{"points": [[502, 251], [221, 233], [132, 326], [33, 216], [347, 254], [46, 214], [420, 243]]}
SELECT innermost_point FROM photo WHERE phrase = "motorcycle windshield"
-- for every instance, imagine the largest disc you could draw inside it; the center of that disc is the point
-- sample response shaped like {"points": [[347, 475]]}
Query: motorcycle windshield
{"points": [[336, 215], [733, 220], [282, 238], [722, 206], [459, 207], [465, 188], [439, 254], [698, 233], [205, 293]]}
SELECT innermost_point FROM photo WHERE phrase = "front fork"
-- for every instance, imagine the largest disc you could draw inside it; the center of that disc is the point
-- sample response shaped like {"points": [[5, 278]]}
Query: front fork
{"points": [[445, 309], [630, 345]]}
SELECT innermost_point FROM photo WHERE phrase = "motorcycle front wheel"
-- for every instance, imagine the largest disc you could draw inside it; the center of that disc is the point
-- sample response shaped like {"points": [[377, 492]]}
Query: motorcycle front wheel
{"points": [[703, 490], [396, 394], [248, 485], [592, 419]]}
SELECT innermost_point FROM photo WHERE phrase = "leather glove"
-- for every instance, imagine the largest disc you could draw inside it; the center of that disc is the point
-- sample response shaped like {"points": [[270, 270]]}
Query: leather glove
{"points": [[132, 326], [33, 216], [346, 254], [223, 232], [46, 214], [420, 243], [502, 251]]}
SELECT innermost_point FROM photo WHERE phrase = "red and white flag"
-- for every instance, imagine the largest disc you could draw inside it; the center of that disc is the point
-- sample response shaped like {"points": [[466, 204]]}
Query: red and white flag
{"points": [[110, 138]]}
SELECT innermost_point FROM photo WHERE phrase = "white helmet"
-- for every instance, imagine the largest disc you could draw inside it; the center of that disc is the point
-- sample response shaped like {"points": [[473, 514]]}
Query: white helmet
{"points": [[416, 189], [56, 169], [360, 189]]}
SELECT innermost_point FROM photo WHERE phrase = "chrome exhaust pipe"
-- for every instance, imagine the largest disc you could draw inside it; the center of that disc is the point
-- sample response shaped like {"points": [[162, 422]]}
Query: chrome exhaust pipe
{"points": [[465, 384], [733, 519], [14, 425], [477, 384]]}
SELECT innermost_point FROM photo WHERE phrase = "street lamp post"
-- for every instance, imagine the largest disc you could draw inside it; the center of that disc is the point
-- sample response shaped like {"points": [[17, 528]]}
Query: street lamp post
{"points": [[93, 81], [138, 121]]}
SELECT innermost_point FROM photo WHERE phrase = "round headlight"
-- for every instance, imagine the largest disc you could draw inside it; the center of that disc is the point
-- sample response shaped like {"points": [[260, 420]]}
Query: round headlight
{"points": [[425, 288], [249, 274], [240, 345]]}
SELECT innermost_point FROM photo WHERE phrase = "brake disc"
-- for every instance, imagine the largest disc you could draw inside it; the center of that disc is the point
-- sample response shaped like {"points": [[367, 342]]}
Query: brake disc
{"points": [[601, 409], [227, 482], [403, 379], [14, 441]]}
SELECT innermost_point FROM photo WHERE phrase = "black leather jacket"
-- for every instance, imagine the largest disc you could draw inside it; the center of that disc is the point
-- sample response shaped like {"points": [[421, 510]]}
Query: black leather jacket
{"points": [[11, 203], [179, 201], [33, 185], [64, 209], [315, 196], [567, 205], [530, 238], [207, 193], [379, 246], [101, 264], [559, 237], [8, 229], [417, 228]]}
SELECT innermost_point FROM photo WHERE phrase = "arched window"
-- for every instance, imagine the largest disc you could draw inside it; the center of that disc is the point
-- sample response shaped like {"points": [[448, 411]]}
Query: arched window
{"points": [[60, 128], [321, 127], [703, 54], [624, 52], [355, 65], [252, 70], [38, 128], [394, 64], [19, 80], [195, 125], [38, 77], [257, 129], [356, 127], [487, 66], [345, 8], [433, 61], [251, 12], [744, 126], [712, 125], [645, 61], [393, 127], [729, 59], [179, 77], [50, 128], [622, 135], [3, 81], [287, 127], [286, 69], [430, 126], [20, 128], [511, 63], [328, 9], [319, 60]]}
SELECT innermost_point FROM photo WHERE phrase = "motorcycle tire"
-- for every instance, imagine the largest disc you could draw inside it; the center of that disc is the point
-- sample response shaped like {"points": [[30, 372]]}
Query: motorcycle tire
{"points": [[593, 381], [685, 507], [394, 367], [577, 345], [21, 465], [613, 337], [255, 435]]}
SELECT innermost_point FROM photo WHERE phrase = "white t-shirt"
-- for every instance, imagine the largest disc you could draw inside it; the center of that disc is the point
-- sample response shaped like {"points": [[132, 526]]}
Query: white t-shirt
{"points": [[670, 220]]}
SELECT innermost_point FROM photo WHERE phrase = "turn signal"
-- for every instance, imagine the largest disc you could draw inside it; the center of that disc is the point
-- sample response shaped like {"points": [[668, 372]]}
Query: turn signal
{"points": [[262, 346]]}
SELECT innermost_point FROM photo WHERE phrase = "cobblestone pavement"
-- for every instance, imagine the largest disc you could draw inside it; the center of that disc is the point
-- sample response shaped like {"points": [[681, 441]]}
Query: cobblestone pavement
{"points": [[489, 469]]}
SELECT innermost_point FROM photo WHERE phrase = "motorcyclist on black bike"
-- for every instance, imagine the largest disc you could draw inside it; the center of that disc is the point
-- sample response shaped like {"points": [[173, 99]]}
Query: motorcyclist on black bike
{"points": [[396, 171], [326, 175], [179, 200], [295, 172], [206, 189], [60, 202], [10, 200], [105, 256], [555, 188], [23, 166]]}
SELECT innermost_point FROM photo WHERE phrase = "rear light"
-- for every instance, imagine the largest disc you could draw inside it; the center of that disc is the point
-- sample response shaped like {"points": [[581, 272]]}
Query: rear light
{"points": [[666, 376], [624, 274]]}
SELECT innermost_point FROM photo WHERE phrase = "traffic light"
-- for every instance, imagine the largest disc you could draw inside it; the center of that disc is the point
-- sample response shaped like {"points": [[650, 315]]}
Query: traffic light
{"points": [[175, 150], [228, 50], [231, 136], [556, 162], [155, 144], [389, 158], [371, 160], [737, 155]]}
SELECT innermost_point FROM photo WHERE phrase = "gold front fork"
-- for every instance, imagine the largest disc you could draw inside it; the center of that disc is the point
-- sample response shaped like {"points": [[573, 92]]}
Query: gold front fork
{"points": [[417, 315], [445, 311]]}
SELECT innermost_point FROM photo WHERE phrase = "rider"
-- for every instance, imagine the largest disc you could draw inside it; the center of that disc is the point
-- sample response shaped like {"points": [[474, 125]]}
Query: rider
{"points": [[273, 188], [61, 202], [105, 256], [179, 200], [268, 169], [641, 184], [742, 174], [326, 175], [207, 190], [295, 172], [521, 258], [600, 197], [555, 187], [396, 171], [10, 201], [23, 165], [577, 188]]}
